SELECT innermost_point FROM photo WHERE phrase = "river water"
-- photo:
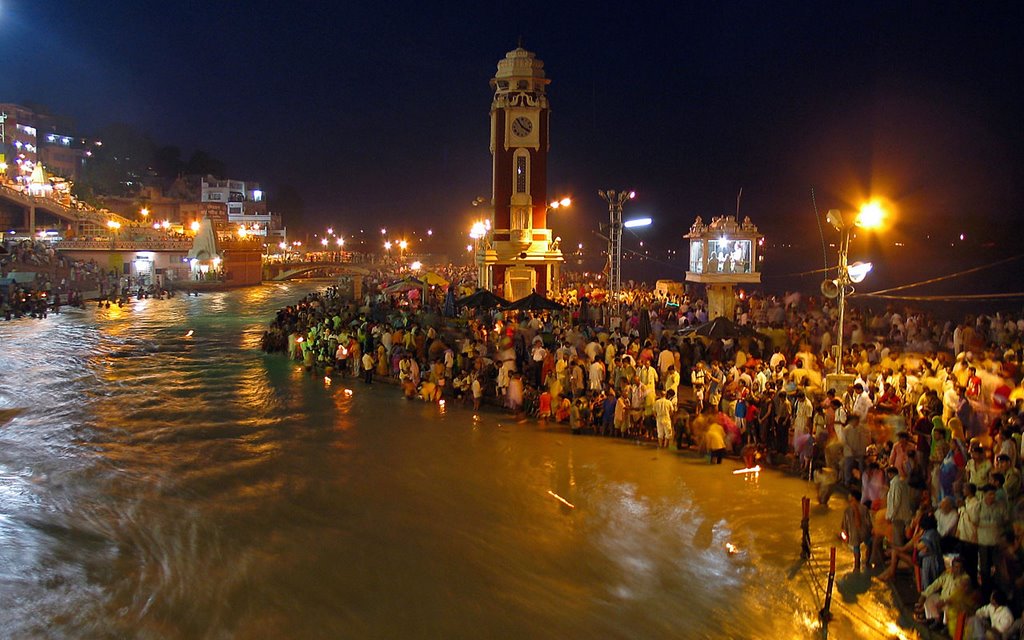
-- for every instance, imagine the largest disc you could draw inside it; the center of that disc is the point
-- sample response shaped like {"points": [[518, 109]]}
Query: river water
{"points": [[155, 484]]}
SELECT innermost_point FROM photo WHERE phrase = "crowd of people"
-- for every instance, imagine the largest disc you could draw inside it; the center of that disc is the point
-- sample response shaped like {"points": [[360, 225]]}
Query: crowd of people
{"points": [[922, 430], [34, 281]]}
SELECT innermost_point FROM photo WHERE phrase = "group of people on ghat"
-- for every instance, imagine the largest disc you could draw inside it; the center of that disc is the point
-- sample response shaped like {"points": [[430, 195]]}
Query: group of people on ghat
{"points": [[924, 434], [36, 279]]}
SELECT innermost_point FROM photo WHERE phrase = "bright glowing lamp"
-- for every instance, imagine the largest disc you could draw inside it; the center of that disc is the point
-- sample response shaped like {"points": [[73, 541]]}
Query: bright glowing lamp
{"points": [[113, 225], [387, 245], [341, 242], [477, 231], [416, 266], [144, 212], [194, 226], [324, 241], [403, 245], [858, 271], [637, 222], [871, 216]]}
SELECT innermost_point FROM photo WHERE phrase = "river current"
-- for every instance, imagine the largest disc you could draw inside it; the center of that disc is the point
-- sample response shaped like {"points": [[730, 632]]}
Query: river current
{"points": [[161, 484]]}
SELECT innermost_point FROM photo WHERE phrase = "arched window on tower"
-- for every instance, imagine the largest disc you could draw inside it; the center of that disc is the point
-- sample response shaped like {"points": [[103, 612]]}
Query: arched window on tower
{"points": [[520, 214], [522, 172]]}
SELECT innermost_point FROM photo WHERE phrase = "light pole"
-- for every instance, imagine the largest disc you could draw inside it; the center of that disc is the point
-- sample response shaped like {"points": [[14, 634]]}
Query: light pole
{"points": [[615, 201], [869, 217]]}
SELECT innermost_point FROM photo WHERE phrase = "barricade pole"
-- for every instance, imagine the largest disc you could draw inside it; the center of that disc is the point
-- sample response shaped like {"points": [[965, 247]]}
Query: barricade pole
{"points": [[805, 523], [826, 612], [961, 624]]}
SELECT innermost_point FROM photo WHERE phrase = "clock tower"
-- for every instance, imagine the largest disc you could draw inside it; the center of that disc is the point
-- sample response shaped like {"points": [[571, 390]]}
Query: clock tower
{"points": [[519, 254]]}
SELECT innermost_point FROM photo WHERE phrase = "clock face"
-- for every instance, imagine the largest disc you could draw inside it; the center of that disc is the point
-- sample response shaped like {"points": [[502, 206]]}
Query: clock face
{"points": [[522, 126]]}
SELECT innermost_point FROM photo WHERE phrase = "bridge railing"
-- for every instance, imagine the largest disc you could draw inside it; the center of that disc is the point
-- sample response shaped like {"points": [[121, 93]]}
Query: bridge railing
{"points": [[125, 245]]}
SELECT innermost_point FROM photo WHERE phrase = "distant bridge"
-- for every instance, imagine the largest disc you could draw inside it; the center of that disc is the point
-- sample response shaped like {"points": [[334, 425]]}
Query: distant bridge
{"points": [[279, 271]]}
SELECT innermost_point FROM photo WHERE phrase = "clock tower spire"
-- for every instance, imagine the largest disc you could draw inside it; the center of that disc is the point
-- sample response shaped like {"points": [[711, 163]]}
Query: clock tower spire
{"points": [[522, 255]]}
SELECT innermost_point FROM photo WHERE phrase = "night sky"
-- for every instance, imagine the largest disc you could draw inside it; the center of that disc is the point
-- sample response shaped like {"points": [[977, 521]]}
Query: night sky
{"points": [[379, 112]]}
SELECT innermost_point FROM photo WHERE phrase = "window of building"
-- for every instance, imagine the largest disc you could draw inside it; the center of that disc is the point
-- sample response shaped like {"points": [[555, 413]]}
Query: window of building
{"points": [[729, 256], [520, 174]]}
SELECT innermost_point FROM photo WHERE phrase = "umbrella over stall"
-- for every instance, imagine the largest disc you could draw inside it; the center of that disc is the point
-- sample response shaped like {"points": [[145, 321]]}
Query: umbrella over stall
{"points": [[720, 328], [535, 302], [481, 299], [407, 283]]}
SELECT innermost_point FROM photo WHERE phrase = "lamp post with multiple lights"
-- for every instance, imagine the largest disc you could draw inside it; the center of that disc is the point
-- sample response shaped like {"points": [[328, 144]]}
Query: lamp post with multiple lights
{"points": [[870, 216], [615, 200]]}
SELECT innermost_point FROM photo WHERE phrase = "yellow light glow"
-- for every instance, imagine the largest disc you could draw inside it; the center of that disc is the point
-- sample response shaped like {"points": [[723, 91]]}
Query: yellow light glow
{"points": [[324, 242], [754, 469], [387, 245], [166, 224], [242, 231], [559, 498], [871, 215], [194, 226], [403, 245], [564, 202], [143, 212], [113, 224]]}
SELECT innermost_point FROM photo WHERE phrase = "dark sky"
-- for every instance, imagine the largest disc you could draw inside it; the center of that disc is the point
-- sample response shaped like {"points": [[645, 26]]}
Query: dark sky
{"points": [[378, 112]]}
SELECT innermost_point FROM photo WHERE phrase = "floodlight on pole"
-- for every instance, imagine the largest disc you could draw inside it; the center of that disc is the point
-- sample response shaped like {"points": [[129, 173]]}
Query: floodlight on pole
{"points": [[636, 222]]}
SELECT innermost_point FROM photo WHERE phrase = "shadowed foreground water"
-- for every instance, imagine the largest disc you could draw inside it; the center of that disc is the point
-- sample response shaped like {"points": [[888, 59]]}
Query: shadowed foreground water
{"points": [[158, 485]]}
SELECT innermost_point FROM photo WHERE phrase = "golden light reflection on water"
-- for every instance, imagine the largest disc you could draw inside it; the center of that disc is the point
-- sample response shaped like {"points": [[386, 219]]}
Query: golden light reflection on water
{"points": [[202, 457]]}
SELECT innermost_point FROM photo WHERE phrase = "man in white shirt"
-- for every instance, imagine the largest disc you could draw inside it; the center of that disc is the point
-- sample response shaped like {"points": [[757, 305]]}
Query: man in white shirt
{"points": [[672, 385], [596, 374], [663, 408], [861, 403], [995, 616]]}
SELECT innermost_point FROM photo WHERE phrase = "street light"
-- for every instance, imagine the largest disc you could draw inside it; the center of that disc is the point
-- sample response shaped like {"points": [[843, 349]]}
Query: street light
{"points": [[615, 201], [636, 222], [870, 216], [114, 227]]}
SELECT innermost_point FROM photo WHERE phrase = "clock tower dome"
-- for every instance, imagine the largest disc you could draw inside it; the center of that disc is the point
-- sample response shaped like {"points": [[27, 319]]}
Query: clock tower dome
{"points": [[519, 255]]}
